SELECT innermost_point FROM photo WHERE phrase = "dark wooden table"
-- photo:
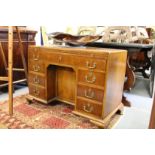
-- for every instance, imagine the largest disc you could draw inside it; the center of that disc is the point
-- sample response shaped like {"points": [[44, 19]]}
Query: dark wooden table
{"points": [[28, 38]]}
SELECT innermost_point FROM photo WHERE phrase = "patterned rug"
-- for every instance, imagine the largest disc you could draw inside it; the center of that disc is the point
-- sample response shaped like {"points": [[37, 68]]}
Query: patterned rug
{"points": [[40, 116]]}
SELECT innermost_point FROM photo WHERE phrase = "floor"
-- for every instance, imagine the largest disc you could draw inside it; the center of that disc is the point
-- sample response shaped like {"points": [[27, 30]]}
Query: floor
{"points": [[135, 117], [138, 115]]}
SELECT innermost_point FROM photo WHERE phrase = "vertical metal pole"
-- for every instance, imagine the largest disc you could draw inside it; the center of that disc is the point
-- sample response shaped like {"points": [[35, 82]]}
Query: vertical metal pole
{"points": [[10, 67]]}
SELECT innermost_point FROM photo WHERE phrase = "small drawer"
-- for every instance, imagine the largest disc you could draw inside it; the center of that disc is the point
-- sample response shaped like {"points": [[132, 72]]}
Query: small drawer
{"points": [[34, 54], [37, 66], [91, 77], [36, 79], [90, 93], [89, 107], [94, 64], [37, 91]]}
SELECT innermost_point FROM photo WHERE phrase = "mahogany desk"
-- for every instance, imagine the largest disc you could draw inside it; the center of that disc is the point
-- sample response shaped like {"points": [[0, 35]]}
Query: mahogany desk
{"points": [[90, 79]]}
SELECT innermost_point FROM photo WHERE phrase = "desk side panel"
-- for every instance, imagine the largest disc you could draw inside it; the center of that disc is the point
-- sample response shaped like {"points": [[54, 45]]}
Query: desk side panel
{"points": [[114, 81]]}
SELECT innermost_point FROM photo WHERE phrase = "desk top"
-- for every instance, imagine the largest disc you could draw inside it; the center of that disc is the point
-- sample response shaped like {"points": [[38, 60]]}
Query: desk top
{"points": [[76, 49]]}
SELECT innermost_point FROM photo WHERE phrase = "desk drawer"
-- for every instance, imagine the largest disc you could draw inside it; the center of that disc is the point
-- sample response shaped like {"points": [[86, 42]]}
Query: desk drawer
{"points": [[89, 107], [37, 91], [62, 59], [36, 79], [94, 64], [91, 77], [90, 93], [37, 66], [35, 54]]}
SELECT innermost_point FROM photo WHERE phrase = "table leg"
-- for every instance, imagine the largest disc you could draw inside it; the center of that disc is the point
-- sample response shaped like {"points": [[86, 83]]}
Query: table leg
{"points": [[126, 102], [129, 83]]}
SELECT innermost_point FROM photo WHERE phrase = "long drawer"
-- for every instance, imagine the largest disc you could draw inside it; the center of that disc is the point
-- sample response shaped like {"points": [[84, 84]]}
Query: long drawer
{"points": [[89, 107], [62, 59], [90, 93], [91, 77]]}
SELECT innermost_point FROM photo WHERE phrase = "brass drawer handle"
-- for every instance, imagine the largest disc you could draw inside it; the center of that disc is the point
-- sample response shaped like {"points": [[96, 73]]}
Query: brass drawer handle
{"points": [[36, 92], [88, 108], [60, 58], [90, 79], [36, 80], [89, 66], [35, 58], [89, 94], [36, 68]]}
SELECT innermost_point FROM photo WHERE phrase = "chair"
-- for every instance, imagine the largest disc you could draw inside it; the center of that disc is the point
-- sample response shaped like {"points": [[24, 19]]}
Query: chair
{"points": [[119, 34], [87, 30], [125, 34]]}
